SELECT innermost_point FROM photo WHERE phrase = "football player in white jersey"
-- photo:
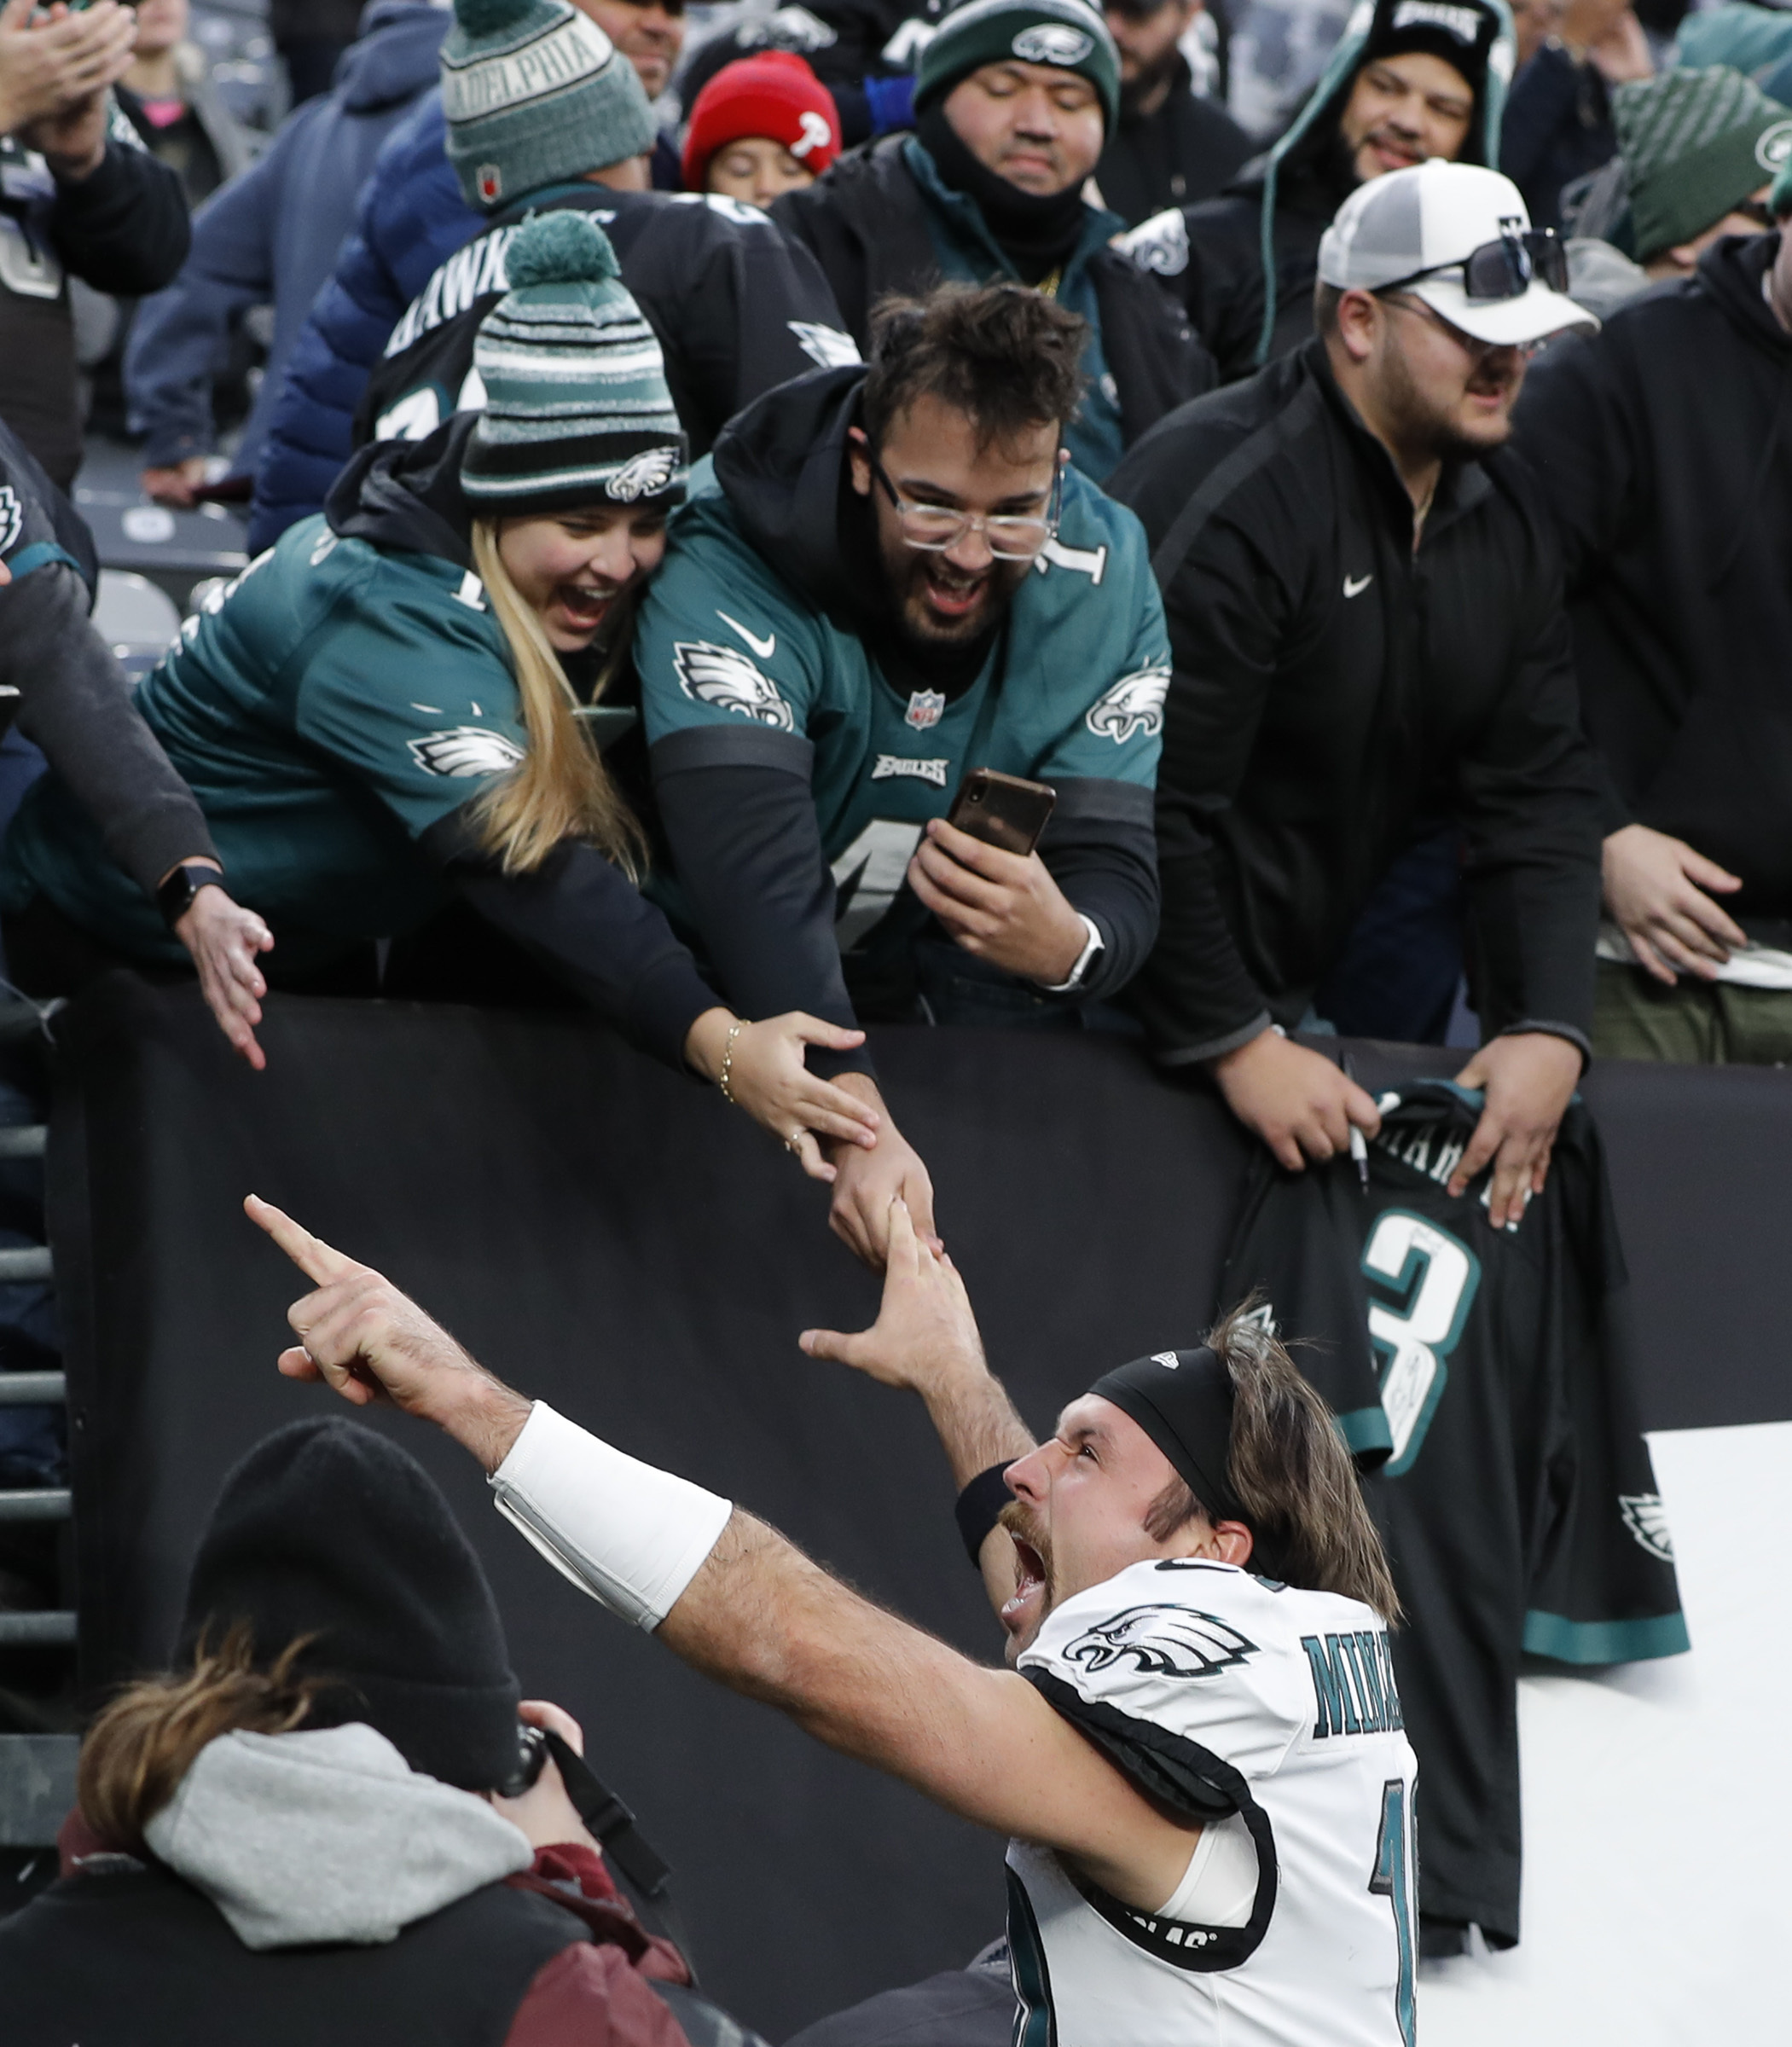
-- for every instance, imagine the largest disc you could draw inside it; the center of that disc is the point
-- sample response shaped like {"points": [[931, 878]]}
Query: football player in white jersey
{"points": [[1196, 1753]]}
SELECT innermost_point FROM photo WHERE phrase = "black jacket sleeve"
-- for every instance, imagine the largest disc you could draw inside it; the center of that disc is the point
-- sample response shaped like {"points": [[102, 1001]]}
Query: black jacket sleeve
{"points": [[1530, 794], [74, 701], [589, 926], [1573, 429], [1226, 618], [123, 229], [1101, 850], [748, 852]]}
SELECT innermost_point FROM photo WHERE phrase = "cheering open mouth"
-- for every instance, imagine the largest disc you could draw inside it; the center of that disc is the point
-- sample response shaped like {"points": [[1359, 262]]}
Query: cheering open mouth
{"points": [[1032, 1570], [582, 609]]}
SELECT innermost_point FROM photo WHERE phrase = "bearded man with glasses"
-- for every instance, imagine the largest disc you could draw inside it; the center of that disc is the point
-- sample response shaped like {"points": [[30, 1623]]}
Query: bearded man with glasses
{"points": [[1367, 625], [894, 576]]}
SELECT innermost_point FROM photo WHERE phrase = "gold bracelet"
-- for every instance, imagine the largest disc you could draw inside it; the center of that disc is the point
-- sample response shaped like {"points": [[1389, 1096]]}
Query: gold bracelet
{"points": [[727, 1060]]}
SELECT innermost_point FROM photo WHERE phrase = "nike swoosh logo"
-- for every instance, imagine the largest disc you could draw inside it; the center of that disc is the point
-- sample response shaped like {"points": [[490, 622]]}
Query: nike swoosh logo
{"points": [[764, 648], [1354, 587]]}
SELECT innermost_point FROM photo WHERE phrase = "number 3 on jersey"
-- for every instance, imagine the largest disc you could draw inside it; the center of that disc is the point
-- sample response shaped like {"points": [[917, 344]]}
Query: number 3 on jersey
{"points": [[1395, 1879], [1435, 1278]]}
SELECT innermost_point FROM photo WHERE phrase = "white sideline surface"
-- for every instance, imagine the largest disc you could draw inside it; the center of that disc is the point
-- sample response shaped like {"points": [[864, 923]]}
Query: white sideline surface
{"points": [[1657, 1908]]}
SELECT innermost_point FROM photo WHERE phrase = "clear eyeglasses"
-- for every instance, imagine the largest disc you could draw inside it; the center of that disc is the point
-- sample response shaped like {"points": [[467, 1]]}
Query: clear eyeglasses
{"points": [[936, 527]]}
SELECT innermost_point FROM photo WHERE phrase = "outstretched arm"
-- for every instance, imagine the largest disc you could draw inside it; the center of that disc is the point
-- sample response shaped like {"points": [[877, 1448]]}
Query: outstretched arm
{"points": [[753, 1612], [925, 1340]]}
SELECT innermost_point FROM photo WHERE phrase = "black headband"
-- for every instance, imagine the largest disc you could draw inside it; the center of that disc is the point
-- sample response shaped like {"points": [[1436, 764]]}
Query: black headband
{"points": [[1182, 1400]]}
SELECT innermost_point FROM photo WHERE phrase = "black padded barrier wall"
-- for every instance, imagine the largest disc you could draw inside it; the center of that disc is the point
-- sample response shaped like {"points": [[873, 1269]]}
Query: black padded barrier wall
{"points": [[621, 1243]]}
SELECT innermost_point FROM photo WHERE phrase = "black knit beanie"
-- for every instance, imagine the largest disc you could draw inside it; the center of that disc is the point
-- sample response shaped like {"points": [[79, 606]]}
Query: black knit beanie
{"points": [[327, 1529]]}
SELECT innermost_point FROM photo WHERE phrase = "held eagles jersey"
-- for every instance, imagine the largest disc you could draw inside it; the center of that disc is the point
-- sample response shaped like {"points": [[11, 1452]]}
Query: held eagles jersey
{"points": [[1221, 1693], [1486, 1370]]}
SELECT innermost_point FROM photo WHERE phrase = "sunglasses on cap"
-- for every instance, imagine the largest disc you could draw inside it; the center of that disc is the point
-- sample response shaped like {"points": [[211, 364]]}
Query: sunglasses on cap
{"points": [[1505, 269]]}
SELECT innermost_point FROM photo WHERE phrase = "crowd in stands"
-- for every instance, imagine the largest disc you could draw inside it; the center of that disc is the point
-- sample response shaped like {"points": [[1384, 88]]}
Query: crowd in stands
{"points": [[1348, 461]]}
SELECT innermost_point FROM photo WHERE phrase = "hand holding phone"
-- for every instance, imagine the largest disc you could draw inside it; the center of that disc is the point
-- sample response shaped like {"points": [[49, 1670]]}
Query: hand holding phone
{"points": [[1003, 810]]}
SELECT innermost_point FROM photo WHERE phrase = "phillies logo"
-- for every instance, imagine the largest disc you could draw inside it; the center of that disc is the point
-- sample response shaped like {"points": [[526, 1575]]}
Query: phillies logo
{"points": [[925, 707]]}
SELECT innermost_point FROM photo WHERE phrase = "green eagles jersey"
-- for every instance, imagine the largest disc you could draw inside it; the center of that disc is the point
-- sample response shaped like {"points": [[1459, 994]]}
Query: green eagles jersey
{"points": [[327, 707], [1074, 690]]}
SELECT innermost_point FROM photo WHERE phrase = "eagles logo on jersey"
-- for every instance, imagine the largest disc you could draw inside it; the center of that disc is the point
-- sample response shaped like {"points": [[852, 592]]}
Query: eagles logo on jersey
{"points": [[721, 676], [1133, 706], [643, 477], [1162, 1642], [468, 750], [1159, 245], [1647, 1520], [12, 518]]}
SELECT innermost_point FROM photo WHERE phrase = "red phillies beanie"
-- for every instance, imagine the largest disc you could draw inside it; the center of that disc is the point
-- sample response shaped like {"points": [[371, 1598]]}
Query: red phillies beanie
{"points": [[774, 94]]}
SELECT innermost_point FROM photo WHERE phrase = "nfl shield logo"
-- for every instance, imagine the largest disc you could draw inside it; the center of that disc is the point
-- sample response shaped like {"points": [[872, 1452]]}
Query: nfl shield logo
{"points": [[925, 707], [491, 180]]}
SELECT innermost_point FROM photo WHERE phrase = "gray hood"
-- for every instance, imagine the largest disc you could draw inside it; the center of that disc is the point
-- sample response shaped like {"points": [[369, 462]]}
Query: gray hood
{"points": [[327, 1835]]}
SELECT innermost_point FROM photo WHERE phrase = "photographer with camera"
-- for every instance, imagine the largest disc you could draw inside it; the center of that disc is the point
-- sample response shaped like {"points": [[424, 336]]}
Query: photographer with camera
{"points": [[79, 197], [329, 1814]]}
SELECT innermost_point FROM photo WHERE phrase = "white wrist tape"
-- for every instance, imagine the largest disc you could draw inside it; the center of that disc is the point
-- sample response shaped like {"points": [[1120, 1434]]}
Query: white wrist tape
{"points": [[630, 1535]]}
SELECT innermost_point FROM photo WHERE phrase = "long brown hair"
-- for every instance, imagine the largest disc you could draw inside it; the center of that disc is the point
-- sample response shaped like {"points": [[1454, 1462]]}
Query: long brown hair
{"points": [[560, 789], [1292, 1473], [146, 1740]]}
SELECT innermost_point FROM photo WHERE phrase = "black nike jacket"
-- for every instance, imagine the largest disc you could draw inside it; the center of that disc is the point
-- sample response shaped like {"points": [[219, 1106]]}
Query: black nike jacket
{"points": [[1663, 446], [1330, 688]]}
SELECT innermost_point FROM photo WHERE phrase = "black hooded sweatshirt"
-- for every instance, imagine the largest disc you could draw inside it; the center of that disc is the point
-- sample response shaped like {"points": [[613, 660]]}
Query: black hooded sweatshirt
{"points": [[1664, 448], [1330, 687]]}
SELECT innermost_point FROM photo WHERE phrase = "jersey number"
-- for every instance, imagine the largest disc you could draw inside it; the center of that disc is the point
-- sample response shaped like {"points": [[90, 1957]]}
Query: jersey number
{"points": [[1435, 1279], [1393, 1881], [867, 876]]}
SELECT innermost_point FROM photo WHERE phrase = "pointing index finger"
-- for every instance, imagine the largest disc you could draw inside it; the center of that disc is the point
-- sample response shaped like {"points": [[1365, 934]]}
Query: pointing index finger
{"points": [[313, 1257]]}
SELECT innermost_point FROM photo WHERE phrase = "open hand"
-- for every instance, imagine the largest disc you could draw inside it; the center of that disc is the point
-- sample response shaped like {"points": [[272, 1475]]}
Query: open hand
{"points": [[1298, 1101], [368, 1342], [768, 1076], [224, 939], [998, 906], [925, 1333], [178, 484], [1530, 1078], [1655, 893]]}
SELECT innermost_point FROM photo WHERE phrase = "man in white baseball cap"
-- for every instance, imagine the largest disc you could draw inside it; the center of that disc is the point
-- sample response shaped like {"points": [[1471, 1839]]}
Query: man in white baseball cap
{"points": [[1369, 652]]}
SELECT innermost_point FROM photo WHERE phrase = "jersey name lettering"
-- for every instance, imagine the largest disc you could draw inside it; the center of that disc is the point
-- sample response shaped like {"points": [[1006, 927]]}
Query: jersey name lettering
{"points": [[1353, 1684]]}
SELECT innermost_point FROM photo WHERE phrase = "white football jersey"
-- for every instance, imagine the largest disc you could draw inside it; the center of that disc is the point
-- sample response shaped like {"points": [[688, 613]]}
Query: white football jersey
{"points": [[1213, 1687]]}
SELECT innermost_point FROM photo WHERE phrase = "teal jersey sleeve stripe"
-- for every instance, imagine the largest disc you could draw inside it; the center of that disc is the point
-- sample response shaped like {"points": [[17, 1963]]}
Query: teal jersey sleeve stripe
{"points": [[1605, 1641], [42, 554], [1365, 1429]]}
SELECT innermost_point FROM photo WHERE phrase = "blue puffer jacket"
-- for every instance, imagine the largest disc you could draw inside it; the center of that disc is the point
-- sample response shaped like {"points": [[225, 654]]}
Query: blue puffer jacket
{"points": [[271, 236], [412, 217]]}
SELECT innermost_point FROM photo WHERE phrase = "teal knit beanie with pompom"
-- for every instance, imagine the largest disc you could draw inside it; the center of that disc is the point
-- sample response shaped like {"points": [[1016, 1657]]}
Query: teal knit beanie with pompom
{"points": [[577, 409]]}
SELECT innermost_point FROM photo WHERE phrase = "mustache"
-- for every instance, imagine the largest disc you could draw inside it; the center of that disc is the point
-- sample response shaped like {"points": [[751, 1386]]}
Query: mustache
{"points": [[1021, 1522]]}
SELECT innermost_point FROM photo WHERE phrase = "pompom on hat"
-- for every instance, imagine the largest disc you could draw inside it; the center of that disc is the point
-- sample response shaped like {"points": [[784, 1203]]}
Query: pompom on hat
{"points": [[577, 409], [772, 94], [536, 93]]}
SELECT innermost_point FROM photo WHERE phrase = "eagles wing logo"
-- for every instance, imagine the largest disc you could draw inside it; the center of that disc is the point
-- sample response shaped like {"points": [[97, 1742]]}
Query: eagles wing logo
{"points": [[468, 750], [646, 474], [1162, 1642], [12, 518], [1133, 706], [1052, 42], [726, 681], [1159, 245], [1647, 1520]]}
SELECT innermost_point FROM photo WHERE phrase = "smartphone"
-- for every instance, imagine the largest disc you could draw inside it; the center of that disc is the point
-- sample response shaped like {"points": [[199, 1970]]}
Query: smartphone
{"points": [[1003, 810]]}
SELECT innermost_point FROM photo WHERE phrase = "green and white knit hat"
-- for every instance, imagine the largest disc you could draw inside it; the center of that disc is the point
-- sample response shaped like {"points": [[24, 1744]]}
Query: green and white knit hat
{"points": [[1694, 144], [577, 409], [1068, 33], [536, 93]]}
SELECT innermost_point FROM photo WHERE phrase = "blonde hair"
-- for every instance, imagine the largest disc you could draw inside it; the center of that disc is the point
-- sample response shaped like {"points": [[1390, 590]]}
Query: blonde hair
{"points": [[560, 789], [146, 1740]]}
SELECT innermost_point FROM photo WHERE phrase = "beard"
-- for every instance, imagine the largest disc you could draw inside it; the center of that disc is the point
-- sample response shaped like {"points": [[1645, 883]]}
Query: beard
{"points": [[1136, 90], [1419, 421], [909, 571]]}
